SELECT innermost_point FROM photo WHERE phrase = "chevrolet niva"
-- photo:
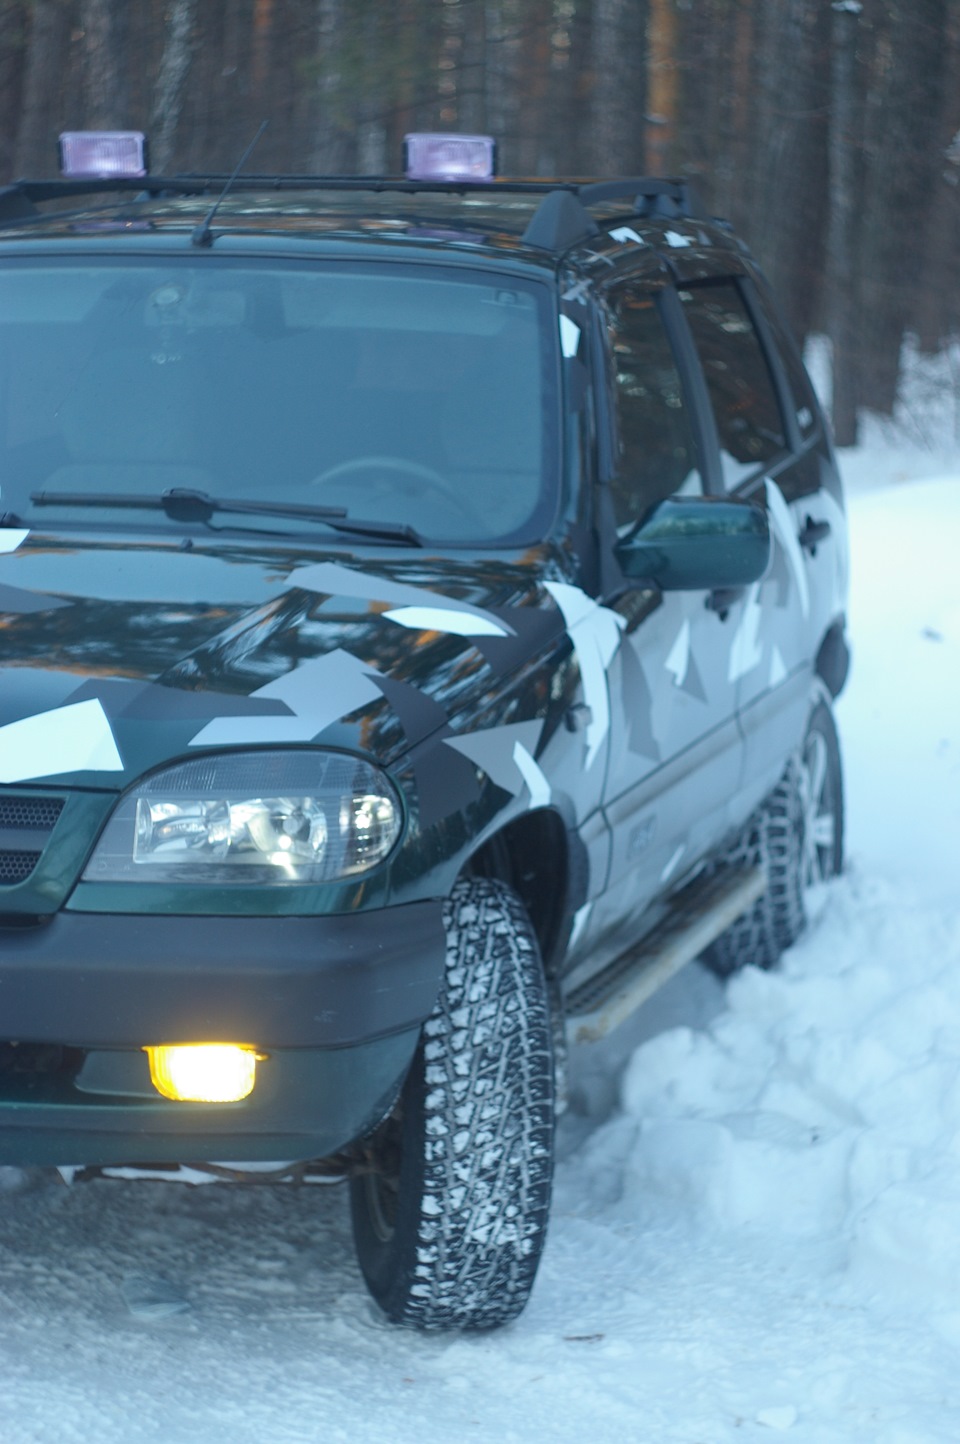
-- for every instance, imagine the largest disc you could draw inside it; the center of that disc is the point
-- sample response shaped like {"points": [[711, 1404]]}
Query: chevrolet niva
{"points": [[421, 602]]}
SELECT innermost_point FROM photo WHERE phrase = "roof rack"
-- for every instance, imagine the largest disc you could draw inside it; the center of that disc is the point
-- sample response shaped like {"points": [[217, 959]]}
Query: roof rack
{"points": [[20, 199], [561, 221]]}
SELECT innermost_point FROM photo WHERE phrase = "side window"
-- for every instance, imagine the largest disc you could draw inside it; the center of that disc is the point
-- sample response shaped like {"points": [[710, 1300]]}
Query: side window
{"points": [[805, 405], [656, 450], [749, 423]]}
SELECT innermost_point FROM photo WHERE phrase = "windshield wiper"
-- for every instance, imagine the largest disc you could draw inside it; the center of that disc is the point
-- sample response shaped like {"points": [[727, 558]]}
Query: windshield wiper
{"points": [[389, 530], [184, 504]]}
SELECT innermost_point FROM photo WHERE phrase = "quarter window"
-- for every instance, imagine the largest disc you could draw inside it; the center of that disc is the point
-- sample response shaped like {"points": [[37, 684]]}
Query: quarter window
{"points": [[656, 454], [749, 422]]}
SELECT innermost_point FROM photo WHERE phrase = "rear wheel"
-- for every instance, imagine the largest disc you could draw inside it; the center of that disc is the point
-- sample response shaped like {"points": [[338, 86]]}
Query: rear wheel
{"points": [[450, 1219], [796, 837], [821, 796]]}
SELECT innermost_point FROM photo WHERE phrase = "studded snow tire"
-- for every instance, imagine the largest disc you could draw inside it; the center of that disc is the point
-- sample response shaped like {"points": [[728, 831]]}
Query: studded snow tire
{"points": [[450, 1219], [797, 838]]}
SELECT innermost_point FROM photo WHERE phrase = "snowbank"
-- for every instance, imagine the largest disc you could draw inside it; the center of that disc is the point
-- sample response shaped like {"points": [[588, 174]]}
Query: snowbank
{"points": [[825, 1101], [762, 1238]]}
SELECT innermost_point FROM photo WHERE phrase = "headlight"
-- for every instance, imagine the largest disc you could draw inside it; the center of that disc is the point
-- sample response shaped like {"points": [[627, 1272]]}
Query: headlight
{"points": [[248, 818]]}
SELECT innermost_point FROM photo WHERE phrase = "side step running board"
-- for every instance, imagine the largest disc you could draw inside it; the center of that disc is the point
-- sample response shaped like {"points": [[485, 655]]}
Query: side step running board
{"points": [[698, 914]]}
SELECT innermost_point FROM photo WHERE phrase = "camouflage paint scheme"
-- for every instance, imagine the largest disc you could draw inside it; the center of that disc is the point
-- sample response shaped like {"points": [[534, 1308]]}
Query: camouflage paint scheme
{"points": [[311, 654], [487, 685]]}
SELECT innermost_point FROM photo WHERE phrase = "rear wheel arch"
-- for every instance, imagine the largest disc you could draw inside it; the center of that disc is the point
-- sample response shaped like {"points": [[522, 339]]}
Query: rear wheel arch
{"points": [[833, 658], [796, 837]]}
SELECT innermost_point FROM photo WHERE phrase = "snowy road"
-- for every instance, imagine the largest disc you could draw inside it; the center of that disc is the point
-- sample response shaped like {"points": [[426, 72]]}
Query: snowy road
{"points": [[761, 1237]]}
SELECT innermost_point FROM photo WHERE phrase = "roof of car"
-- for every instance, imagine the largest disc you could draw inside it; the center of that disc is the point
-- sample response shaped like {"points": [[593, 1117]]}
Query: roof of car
{"points": [[533, 222]]}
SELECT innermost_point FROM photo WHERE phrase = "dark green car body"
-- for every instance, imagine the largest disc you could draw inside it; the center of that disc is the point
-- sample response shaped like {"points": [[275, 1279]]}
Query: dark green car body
{"points": [[571, 676]]}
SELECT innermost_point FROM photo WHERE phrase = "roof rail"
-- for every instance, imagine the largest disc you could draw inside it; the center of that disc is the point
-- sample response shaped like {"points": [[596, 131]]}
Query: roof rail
{"points": [[21, 198], [562, 219], [652, 197], [14, 205], [559, 222]]}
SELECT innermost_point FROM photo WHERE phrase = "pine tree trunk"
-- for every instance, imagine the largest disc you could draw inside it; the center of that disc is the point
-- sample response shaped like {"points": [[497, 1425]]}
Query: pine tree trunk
{"points": [[374, 102], [471, 96], [171, 81], [504, 81], [106, 87], [618, 55], [336, 147], [842, 227], [937, 314], [904, 157], [787, 212], [13, 33], [662, 85], [40, 122]]}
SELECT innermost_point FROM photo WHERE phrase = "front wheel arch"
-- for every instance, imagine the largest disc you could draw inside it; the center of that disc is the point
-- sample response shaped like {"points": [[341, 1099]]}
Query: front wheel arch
{"points": [[544, 863]]}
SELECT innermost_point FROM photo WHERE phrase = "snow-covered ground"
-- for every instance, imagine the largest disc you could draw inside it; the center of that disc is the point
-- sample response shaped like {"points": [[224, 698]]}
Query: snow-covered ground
{"points": [[757, 1220]]}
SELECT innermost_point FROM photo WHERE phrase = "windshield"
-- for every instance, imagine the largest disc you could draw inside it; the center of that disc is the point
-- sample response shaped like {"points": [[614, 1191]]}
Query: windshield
{"points": [[408, 396]]}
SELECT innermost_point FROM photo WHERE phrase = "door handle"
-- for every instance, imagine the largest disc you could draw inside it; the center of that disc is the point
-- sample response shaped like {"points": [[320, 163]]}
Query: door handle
{"points": [[813, 533], [721, 599], [578, 717]]}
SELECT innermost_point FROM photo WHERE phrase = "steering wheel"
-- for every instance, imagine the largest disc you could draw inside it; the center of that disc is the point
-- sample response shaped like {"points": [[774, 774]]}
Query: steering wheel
{"points": [[415, 471]]}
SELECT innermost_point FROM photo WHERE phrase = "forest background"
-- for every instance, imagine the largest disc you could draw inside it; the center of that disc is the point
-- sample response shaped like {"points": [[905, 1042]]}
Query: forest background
{"points": [[828, 131]]}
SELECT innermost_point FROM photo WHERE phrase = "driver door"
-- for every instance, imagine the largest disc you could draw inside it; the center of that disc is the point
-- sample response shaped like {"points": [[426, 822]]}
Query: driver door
{"points": [[675, 748]]}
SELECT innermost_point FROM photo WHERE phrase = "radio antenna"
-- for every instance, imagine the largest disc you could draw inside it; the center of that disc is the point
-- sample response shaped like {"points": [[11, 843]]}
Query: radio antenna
{"points": [[202, 234]]}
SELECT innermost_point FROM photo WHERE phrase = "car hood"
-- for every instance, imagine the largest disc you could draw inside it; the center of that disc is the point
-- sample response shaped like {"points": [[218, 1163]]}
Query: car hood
{"points": [[117, 655]]}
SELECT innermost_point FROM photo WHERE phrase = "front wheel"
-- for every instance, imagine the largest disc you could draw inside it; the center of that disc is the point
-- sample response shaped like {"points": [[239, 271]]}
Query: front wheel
{"points": [[796, 837], [450, 1218]]}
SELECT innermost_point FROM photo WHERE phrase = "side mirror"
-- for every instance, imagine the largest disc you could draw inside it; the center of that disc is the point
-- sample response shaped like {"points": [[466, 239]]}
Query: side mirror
{"points": [[694, 543]]}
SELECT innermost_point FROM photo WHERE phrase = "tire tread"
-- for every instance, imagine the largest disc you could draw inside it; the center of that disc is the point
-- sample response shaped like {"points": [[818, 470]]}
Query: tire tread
{"points": [[467, 1252]]}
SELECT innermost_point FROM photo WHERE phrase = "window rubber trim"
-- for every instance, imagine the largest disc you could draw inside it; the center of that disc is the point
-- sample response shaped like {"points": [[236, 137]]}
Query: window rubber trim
{"points": [[694, 383], [778, 372], [790, 451]]}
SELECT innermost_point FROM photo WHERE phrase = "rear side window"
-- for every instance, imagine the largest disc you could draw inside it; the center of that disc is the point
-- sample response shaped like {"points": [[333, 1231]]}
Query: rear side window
{"points": [[745, 405], [656, 455], [802, 396]]}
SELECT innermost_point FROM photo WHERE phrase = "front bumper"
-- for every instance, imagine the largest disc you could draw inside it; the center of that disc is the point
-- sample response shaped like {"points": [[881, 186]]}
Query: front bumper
{"points": [[120, 981], [335, 1002]]}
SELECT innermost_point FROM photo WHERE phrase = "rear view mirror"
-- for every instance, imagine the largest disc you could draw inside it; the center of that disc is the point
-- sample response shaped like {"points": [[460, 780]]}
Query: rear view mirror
{"points": [[693, 543]]}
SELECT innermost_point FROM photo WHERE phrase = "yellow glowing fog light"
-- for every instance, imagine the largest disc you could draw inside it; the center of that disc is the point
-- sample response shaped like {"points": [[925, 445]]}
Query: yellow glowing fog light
{"points": [[204, 1072]]}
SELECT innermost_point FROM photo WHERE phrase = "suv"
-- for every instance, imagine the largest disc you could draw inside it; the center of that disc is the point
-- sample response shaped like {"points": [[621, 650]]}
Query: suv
{"points": [[422, 601]]}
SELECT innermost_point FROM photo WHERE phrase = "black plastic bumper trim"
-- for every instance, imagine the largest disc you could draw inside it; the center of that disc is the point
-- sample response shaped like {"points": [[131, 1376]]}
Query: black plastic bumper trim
{"points": [[307, 1103], [89, 979]]}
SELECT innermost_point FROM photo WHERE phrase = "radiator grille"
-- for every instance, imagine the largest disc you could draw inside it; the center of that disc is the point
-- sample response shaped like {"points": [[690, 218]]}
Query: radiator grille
{"points": [[17, 866], [39, 812], [25, 827]]}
